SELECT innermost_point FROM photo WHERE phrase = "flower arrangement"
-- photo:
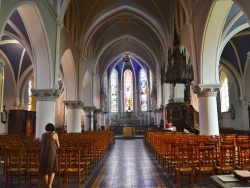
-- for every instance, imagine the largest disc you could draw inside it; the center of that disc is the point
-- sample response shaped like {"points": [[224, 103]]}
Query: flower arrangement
{"points": [[169, 125]]}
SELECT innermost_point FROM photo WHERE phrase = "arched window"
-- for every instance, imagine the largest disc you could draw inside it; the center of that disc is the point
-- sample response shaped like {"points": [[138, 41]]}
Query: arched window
{"points": [[224, 93], [114, 90], [128, 90], [143, 90], [31, 98]]}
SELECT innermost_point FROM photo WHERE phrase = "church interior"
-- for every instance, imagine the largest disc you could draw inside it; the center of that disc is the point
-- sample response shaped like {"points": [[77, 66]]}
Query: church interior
{"points": [[156, 73]]}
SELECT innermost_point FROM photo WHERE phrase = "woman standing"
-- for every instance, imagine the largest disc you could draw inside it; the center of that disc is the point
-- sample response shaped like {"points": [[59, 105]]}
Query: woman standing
{"points": [[48, 157]]}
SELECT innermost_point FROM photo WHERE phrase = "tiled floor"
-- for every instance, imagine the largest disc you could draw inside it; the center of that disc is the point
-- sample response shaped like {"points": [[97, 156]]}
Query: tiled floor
{"points": [[129, 164]]}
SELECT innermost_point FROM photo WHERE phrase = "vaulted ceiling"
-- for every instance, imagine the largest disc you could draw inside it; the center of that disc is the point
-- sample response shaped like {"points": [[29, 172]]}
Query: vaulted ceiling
{"points": [[237, 47], [114, 29], [118, 28]]}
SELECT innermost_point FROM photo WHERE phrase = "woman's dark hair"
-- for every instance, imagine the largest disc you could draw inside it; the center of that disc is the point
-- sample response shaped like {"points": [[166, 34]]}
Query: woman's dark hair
{"points": [[50, 127]]}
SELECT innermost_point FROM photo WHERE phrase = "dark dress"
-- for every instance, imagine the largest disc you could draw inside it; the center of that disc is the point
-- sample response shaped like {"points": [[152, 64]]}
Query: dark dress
{"points": [[48, 157]]}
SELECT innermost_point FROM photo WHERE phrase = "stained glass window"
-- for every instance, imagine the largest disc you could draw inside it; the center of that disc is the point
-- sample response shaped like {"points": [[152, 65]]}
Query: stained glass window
{"points": [[128, 90], [224, 93], [30, 95], [31, 98], [114, 90], [143, 90]]}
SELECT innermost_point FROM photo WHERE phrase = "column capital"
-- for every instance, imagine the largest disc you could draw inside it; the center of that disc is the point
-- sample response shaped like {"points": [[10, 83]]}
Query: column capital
{"points": [[98, 111], [46, 94], [205, 90], [73, 104], [89, 108]]}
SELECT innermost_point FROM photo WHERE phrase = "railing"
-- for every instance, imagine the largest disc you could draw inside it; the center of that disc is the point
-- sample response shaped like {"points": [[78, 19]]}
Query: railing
{"points": [[191, 118], [183, 116]]}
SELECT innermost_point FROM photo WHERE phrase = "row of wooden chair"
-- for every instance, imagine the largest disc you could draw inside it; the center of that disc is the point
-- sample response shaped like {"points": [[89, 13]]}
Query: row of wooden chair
{"points": [[15, 166], [71, 164], [191, 154], [78, 155]]}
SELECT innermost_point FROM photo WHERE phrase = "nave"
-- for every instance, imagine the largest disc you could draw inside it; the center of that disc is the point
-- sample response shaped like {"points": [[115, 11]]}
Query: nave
{"points": [[129, 164]]}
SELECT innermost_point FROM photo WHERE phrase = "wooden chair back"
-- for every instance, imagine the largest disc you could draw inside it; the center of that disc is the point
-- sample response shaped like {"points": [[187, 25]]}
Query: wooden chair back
{"points": [[32, 163], [72, 164], [206, 162], [173, 156], [14, 164], [244, 157], [185, 163], [227, 159]]}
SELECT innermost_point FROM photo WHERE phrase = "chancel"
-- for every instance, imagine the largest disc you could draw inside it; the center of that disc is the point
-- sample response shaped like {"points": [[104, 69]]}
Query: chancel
{"points": [[123, 81]]}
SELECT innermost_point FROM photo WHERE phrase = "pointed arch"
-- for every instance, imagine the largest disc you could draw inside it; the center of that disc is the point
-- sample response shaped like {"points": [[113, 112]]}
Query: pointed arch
{"points": [[247, 76], [149, 21], [87, 89], [43, 69], [211, 42], [70, 78]]}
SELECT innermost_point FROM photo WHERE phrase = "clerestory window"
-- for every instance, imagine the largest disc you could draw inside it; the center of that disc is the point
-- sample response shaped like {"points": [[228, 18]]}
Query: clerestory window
{"points": [[224, 93]]}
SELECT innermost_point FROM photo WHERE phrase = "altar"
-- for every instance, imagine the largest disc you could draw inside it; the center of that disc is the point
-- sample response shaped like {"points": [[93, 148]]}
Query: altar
{"points": [[129, 119], [129, 122], [128, 131]]}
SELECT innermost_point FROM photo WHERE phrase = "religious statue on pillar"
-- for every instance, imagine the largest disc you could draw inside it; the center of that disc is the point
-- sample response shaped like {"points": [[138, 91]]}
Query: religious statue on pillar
{"points": [[129, 104], [103, 96], [153, 97]]}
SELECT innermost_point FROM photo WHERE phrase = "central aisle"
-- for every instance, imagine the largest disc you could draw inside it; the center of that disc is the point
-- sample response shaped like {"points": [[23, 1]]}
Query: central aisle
{"points": [[128, 165]]}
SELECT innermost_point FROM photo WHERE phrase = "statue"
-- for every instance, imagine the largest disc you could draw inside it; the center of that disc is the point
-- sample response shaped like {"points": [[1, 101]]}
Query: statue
{"points": [[103, 96], [232, 111]]}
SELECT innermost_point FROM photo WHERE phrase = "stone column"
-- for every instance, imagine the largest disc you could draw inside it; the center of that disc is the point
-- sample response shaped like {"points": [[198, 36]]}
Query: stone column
{"points": [[121, 106], [88, 125], [45, 108], [149, 117], [155, 116], [73, 116], [104, 117], [2, 64], [90, 117], [148, 99], [135, 103], [99, 118], [208, 115], [109, 108], [158, 116], [86, 122]]}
